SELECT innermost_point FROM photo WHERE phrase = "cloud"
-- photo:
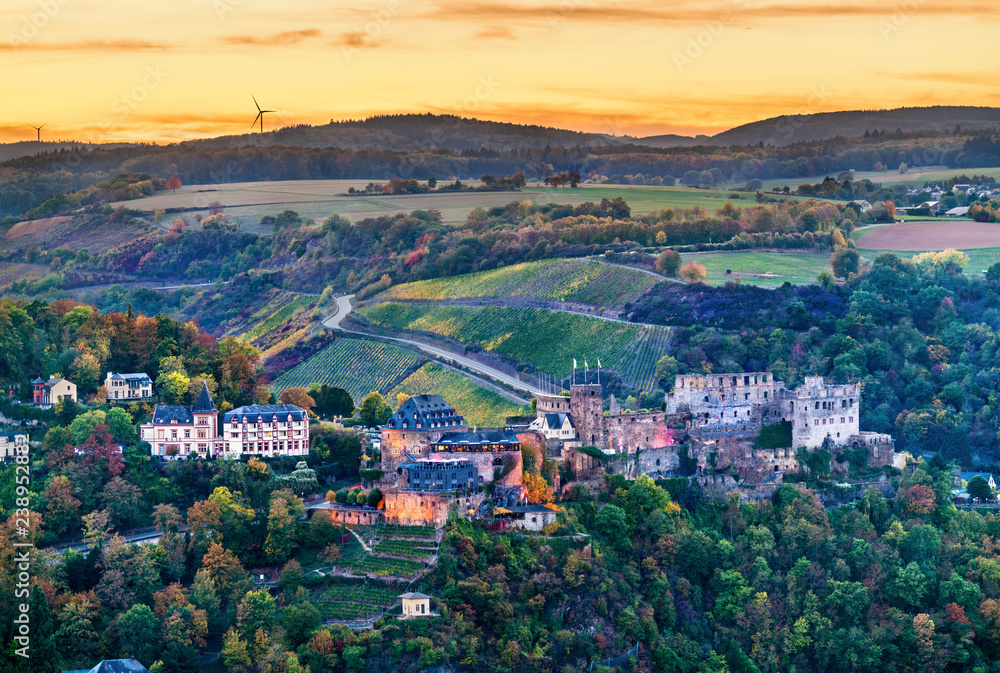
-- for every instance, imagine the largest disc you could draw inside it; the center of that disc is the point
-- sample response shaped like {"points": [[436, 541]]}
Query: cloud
{"points": [[87, 45], [357, 39], [277, 39], [496, 32], [683, 13]]}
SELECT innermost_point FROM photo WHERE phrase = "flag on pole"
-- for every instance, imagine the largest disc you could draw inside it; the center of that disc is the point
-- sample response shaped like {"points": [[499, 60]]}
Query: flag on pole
{"points": [[586, 367]]}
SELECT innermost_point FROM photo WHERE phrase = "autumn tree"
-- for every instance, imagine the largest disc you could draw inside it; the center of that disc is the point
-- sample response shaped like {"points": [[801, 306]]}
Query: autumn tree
{"points": [[174, 183], [298, 397], [538, 490], [693, 272]]}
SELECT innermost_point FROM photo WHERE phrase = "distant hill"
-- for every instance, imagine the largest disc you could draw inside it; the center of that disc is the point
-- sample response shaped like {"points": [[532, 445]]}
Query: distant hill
{"points": [[31, 148], [788, 129], [415, 132], [673, 140]]}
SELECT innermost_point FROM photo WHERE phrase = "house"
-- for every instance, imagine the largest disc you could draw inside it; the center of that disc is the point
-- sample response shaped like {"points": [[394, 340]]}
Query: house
{"points": [[415, 604], [266, 430], [555, 426], [128, 387], [530, 517], [115, 666], [959, 211], [177, 431], [862, 205], [47, 393], [12, 443], [988, 476]]}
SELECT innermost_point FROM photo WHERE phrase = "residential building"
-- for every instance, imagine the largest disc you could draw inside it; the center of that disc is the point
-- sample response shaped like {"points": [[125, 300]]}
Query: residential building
{"points": [[128, 387], [177, 431], [266, 430], [12, 442], [555, 426], [47, 393], [115, 666]]}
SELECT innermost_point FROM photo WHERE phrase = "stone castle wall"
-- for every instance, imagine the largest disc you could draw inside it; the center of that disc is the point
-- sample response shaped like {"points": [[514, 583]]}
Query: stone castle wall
{"points": [[818, 411], [420, 508]]}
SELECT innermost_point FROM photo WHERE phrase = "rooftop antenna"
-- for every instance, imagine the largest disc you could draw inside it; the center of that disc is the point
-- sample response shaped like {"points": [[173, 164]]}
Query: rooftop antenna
{"points": [[39, 130], [260, 114]]}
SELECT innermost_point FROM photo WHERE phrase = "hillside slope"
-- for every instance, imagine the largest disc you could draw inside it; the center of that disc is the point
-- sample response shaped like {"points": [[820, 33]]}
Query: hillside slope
{"points": [[788, 129]]}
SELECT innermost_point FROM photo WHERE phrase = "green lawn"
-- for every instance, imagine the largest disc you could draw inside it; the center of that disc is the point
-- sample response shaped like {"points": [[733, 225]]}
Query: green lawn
{"points": [[915, 177], [798, 268]]}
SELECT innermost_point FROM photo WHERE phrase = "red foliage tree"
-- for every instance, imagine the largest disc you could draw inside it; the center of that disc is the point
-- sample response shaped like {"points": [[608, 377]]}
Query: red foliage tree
{"points": [[174, 183]]}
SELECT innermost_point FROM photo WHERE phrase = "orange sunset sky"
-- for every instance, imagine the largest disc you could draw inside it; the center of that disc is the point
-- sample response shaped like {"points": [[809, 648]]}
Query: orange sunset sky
{"points": [[165, 70]]}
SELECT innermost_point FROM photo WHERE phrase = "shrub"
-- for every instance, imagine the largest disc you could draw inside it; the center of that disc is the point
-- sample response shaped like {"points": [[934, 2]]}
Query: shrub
{"points": [[693, 272]]}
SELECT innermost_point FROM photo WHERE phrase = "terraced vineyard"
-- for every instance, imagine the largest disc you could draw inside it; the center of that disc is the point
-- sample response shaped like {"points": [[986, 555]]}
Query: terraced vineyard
{"points": [[279, 310], [356, 365], [386, 567], [15, 271], [478, 405], [355, 601], [547, 339], [408, 548], [569, 280]]}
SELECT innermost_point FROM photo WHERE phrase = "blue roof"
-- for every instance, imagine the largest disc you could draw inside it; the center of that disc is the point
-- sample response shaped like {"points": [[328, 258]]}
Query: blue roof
{"points": [[966, 476], [168, 413], [267, 413], [425, 412], [555, 421]]}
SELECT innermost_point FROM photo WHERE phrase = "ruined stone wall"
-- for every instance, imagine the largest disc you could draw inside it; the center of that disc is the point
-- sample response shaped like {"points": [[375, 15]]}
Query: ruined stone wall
{"points": [[818, 410], [551, 404], [880, 447], [353, 517], [420, 508], [629, 433], [725, 400]]}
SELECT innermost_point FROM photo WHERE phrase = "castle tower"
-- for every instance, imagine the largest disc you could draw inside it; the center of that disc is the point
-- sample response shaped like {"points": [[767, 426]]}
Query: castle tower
{"points": [[586, 403]]}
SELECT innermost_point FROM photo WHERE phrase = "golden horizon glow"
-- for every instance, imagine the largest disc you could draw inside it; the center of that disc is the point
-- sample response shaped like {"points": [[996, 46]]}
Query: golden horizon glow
{"points": [[122, 71]]}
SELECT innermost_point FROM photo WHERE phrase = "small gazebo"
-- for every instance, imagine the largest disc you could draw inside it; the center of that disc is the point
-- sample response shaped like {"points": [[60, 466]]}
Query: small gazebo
{"points": [[416, 604]]}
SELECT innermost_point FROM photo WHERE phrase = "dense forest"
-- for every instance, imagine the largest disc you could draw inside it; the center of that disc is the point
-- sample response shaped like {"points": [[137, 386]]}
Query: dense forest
{"points": [[920, 336]]}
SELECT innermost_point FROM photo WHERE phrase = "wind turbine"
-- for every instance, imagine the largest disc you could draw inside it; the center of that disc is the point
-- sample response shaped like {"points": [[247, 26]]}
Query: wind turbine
{"points": [[39, 130], [260, 114]]}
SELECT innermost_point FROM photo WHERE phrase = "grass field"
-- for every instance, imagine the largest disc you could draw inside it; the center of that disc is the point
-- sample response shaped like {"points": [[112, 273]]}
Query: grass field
{"points": [[478, 405], [247, 202], [915, 176], [547, 339], [569, 280], [356, 365], [752, 267]]}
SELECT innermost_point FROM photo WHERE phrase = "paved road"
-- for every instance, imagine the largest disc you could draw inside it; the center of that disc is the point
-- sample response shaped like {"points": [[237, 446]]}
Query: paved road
{"points": [[344, 307]]}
